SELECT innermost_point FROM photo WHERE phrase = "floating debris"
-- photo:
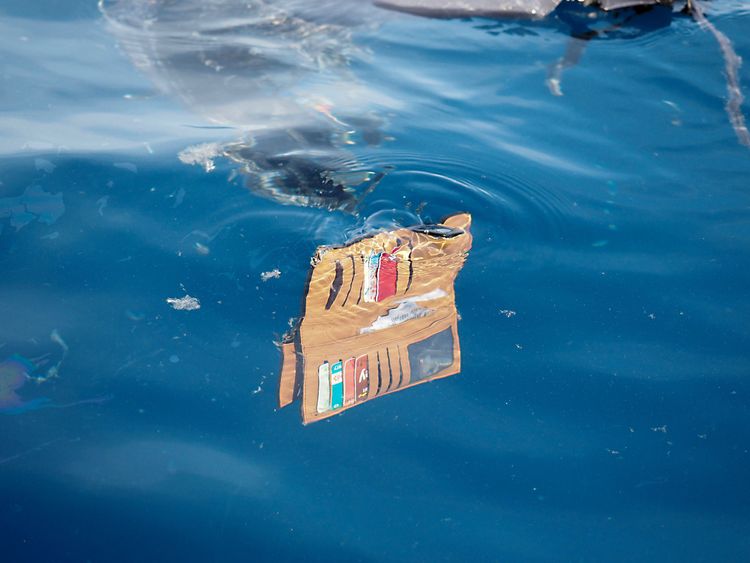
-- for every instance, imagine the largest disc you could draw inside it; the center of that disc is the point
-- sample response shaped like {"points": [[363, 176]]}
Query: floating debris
{"points": [[508, 313], [34, 204], [202, 155], [101, 204], [54, 370], [273, 274], [573, 54], [186, 303]]}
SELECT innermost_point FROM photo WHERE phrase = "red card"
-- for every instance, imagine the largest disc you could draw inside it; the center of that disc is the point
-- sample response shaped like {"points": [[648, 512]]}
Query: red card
{"points": [[350, 386], [362, 374], [387, 274]]}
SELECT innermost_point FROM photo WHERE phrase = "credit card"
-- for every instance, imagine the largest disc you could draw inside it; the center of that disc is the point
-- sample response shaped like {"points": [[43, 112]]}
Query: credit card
{"points": [[386, 276], [370, 286], [337, 385], [350, 389], [362, 374], [324, 388]]}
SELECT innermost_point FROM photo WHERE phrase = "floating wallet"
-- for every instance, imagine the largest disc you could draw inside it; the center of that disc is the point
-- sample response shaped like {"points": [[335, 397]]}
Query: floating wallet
{"points": [[379, 316]]}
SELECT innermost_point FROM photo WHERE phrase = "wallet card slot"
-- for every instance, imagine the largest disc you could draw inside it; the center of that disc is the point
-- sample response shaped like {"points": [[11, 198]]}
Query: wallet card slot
{"points": [[351, 280], [338, 282]]}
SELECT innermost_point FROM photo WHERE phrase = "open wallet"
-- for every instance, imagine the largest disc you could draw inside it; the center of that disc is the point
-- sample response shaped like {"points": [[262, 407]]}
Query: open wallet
{"points": [[379, 316]]}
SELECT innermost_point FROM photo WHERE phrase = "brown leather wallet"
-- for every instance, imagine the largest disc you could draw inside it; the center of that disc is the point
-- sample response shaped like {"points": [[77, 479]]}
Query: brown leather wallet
{"points": [[409, 337]]}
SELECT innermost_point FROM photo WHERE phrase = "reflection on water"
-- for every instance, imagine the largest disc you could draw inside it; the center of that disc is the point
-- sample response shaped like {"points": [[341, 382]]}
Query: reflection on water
{"points": [[14, 373], [295, 166], [379, 316], [590, 20], [278, 73], [17, 370]]}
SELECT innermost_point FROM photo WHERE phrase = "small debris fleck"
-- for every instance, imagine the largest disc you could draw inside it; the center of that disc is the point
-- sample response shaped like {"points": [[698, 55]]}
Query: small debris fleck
{"points": [[662, 429], [101, 204], [202, 155], [275, 274], [508, 313], [186, 303], [129, 166]]}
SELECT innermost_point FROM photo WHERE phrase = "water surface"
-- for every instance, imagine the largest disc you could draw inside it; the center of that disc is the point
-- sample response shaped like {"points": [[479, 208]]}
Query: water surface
{"points": [[601, 412]]}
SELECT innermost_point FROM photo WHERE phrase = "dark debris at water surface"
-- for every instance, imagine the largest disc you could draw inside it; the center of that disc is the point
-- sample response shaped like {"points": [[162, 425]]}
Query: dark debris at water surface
{"points": [[586, 24]]}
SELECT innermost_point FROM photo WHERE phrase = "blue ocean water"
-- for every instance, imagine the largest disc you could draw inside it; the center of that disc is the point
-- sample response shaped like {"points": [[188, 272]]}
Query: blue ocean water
{"points": [[602, 409]]}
